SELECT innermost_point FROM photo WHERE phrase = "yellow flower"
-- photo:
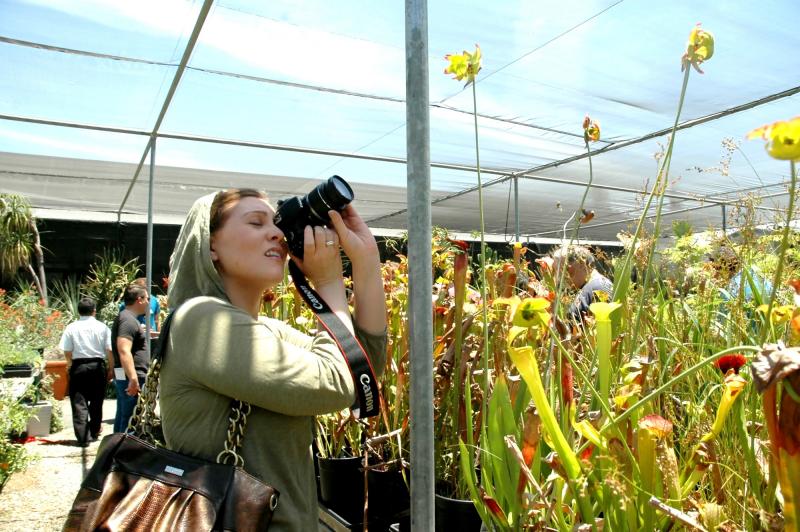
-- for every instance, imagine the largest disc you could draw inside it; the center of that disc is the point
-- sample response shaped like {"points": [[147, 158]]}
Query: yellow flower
{"points": [[591, 129], [780, 314], [783, 138], [699, 48], [532, 311], [464, 65]]}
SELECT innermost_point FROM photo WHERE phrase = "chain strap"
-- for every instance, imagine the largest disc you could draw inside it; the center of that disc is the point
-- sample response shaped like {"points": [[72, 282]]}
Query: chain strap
{"points": [[237, 422], [144, 418]]}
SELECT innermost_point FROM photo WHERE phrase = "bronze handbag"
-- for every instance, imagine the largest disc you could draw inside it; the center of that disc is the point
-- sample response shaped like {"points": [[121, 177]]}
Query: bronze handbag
{"points": [[136, 484]]}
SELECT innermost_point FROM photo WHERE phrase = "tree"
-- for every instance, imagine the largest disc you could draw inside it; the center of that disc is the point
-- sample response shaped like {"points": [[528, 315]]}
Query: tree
{"points": [[19, 240]]}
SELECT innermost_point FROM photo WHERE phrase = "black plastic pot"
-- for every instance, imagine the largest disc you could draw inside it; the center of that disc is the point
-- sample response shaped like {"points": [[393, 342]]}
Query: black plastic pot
{"points": [[17, 370], [341, 487], [456, 514], [389, 499]]}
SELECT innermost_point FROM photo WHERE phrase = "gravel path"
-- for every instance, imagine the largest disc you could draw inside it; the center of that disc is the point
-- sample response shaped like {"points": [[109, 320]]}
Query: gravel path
{"points": [[39, 498]]}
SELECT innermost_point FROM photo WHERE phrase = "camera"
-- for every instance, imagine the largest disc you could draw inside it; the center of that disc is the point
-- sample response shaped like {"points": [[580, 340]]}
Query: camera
{"points": [[294, 214]]}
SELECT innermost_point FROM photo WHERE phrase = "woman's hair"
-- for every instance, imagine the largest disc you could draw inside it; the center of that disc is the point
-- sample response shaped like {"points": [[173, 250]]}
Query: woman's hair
{"points": [[225, 199]]}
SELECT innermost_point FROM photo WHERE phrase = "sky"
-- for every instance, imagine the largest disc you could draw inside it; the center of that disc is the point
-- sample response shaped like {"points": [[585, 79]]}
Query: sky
{"points": [[331, 76]]}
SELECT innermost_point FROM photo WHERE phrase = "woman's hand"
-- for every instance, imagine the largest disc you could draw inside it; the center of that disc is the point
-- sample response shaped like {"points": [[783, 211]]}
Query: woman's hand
{"points": [[354, 236], [322, 265], [359, 244], [322, 262]]}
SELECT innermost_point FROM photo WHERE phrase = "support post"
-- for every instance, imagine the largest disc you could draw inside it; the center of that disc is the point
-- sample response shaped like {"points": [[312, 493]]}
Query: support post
{"points": [[516, 208], [420, 268], [724, 219], [149, 264]]}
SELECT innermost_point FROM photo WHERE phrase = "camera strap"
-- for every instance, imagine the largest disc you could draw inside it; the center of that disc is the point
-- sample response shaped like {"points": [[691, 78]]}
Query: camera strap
{"points": [[366, 384]]}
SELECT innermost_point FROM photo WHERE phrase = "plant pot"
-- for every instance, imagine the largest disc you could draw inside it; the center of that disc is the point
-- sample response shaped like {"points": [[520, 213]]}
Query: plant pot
{"points": [[388, 498], [456, 514], [17, 371], [341, 487], [39, 421], [58, 369]]}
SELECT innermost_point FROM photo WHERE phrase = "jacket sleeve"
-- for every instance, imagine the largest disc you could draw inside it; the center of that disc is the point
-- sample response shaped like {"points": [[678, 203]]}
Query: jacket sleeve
{"points": [[265, 363]]}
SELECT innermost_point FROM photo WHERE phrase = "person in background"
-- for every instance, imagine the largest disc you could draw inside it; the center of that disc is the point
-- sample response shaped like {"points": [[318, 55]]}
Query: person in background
{"points": [[87, 345], [229, 251], [754, 287], [582, 275], [155, 307], [131, 358]]}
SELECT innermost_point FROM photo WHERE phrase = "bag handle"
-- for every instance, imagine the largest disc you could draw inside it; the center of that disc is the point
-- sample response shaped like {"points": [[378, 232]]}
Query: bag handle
{"points": [[144, 418]]}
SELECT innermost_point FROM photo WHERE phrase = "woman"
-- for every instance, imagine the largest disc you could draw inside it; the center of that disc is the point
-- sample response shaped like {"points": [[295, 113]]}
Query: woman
{"points": [[228, 253]]}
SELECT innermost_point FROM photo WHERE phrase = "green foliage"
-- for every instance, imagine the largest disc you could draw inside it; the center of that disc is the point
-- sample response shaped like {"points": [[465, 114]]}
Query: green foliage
{"points": [[26, 327], [14, 417], [339, 435], [65, 295], [16, 237], [107, 279]]}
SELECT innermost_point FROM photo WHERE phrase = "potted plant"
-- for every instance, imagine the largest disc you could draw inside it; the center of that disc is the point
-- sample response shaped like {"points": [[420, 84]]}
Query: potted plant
{"points": [[341, 475]]}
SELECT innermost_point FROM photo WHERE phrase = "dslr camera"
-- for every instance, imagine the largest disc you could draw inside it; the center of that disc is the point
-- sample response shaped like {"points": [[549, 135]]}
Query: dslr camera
{"points": [[294, 214]]}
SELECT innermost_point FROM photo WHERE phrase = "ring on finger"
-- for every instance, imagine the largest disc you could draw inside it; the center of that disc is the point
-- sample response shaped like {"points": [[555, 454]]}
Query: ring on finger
{"points": [[329, 243]]}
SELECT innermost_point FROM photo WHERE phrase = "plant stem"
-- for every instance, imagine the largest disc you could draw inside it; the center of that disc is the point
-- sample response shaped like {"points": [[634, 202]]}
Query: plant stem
{"points": [[484, 303], [782, 252], [659, 188]]}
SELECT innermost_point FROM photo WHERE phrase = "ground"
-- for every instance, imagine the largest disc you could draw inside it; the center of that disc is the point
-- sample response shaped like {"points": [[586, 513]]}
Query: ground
{"points": [[39, 498]]}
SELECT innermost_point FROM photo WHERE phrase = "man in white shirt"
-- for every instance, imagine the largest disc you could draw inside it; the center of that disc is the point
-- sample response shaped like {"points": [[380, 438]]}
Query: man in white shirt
{"points": [[87, 344]]}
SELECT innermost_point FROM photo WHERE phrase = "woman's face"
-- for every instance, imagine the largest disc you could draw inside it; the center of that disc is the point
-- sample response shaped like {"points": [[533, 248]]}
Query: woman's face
{"points": [[248, 248]]}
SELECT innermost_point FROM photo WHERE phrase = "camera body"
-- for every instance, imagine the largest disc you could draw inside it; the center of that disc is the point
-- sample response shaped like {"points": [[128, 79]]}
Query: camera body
{"points": [[294, 214]]}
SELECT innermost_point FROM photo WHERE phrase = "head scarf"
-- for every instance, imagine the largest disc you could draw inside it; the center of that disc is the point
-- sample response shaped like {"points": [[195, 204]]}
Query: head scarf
{"points": [[192, 272]]}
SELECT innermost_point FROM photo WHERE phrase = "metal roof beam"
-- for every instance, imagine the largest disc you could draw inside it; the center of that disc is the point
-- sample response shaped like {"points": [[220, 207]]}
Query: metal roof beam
{"points": [[187, 53]]}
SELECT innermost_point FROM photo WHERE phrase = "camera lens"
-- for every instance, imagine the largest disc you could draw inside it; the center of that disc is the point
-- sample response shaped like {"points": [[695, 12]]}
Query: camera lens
{"points": [[334, 194]]}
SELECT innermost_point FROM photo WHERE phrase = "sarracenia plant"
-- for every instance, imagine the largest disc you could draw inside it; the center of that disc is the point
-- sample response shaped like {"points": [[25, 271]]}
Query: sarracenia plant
{"points": [[776, 373], [783, 142], [699, 49], [465, 66]]}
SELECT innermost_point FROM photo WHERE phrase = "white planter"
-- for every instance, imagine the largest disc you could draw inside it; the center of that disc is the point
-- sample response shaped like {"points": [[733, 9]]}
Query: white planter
{"points": [[39, 422]]}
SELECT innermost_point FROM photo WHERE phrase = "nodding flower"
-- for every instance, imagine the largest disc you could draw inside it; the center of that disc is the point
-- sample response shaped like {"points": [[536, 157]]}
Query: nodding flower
{"points": [[783, 142], [591, 129], [464, 65], [700, 48], [734, 362]]}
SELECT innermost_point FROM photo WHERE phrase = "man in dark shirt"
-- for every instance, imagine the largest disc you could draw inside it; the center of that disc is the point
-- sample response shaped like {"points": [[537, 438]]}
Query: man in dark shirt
{"points": [[131, 358], [583, 275]]}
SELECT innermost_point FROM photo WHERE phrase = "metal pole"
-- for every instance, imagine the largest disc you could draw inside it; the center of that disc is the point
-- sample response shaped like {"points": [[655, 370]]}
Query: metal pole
{"points": [[420, 268], [149, 265], [724, 219], [187, 53], [516, 208]]}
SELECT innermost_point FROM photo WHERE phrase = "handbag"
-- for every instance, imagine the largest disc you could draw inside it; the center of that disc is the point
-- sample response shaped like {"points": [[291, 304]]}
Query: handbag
{"points": [[135, 484]]}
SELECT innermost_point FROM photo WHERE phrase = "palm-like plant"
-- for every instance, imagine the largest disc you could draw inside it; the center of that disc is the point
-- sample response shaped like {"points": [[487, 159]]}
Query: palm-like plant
{"points": [[19, 240]]}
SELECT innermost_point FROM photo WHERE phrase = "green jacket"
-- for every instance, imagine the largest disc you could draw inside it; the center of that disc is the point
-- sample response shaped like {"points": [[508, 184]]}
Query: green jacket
{"points": [[217, 352]]}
